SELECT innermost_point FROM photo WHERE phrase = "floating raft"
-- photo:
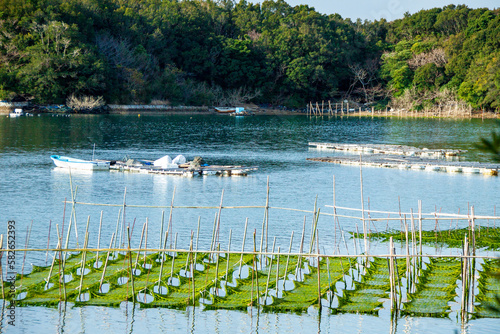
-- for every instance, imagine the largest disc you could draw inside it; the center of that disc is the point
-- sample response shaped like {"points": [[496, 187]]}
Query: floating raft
{"points": [[408, 151], [147, 167], [414, 163]]}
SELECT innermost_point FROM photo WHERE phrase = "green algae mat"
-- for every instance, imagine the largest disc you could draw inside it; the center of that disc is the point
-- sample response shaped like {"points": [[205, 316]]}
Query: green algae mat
{"points": [[284, 283]]}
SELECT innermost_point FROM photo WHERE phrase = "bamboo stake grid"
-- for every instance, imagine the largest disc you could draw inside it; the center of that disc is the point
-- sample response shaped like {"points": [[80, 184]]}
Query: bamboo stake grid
{"points": [[175, 277]]}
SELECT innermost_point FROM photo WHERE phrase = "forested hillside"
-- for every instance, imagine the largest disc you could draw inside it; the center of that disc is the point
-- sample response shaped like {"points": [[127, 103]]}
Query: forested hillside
{"points": [[217, 52]]}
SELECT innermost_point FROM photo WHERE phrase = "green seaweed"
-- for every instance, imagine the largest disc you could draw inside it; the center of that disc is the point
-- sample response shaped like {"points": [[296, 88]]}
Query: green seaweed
{"points": [[435, 289]]}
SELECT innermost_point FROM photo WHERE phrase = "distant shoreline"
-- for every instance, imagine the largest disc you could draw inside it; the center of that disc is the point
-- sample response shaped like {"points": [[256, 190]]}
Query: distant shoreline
{"points": [[266, 111]]}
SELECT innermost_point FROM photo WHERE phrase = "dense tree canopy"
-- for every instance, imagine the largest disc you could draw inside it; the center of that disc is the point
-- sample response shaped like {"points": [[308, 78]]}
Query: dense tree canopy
{"points": [[200, 51]]}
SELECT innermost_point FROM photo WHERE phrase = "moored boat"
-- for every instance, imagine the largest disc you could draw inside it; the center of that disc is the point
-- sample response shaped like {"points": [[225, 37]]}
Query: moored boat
{"points": [[67, 162], [221, 110]]}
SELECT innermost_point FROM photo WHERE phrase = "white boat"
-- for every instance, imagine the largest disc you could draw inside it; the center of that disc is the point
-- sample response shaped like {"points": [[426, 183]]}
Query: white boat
{"points": [[67, 162], [17, 112]]}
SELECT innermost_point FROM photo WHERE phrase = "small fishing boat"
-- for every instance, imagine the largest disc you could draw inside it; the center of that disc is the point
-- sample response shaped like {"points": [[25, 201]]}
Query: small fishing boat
{"points": [[67, 162], [230, 110], [221, 110]]}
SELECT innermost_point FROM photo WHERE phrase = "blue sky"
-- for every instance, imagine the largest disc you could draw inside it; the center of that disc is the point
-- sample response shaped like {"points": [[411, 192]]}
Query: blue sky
{"points": [[388, 9]]}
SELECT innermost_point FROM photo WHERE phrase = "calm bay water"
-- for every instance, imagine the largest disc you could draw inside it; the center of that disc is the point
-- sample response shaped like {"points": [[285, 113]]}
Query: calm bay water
{"points": [[32, 190]]}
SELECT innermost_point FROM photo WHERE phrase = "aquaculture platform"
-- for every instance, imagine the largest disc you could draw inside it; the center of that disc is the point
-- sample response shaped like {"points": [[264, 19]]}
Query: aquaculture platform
{"points": [[414, 163], [147, 167], [404, 150], [405, 157]]}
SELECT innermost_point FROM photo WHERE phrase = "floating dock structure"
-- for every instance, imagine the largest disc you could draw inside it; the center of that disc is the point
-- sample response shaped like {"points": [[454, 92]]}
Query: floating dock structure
{"points": [[415, 163], [405, 157], [404, 150], [147, 167]]}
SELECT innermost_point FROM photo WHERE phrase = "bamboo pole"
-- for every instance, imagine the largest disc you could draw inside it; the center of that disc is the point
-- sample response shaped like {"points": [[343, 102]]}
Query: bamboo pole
{"points": [[160, 275], [106, 263], [420, 224], [277, 273], [54, 257], [169, 226], [218, 218], [319, 274], [227, 255], [98, 242], [161, 226], [391, 274], [117, 225], [28, 234], [140, 247], [1, 269], [193, 264], [268, 188], [122, 229], [130, 265], [365, 232], [73, 206], [243, 247], [48, 242], [84, 259], [145, 243], [197, 240], [269, 273], [287, 261], [173, 259]]}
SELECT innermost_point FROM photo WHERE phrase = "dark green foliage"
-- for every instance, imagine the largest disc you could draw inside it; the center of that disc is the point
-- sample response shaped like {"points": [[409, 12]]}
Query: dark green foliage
{"points": [[193, 51]]}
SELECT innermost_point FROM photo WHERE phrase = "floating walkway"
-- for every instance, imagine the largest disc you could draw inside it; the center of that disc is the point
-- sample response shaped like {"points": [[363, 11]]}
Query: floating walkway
{"points": [[405, 157], [415, 163], [408, 151]]}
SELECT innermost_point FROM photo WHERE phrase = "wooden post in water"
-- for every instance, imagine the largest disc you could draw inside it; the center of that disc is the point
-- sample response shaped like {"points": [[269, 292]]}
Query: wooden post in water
{"points": [[420, 225], [98, 243], [287, 260], [319, 273], [228, 253], [84, 259], [106, 263], [243, 247], [130, 265], [269, 273], [365, 232], [162, 259], [391, 275], [1, 271], [465, 261]]}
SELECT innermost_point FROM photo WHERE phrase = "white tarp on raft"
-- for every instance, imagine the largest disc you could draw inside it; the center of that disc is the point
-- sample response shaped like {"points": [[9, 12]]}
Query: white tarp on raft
{"points": [[165, 162], [179, 160]]}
